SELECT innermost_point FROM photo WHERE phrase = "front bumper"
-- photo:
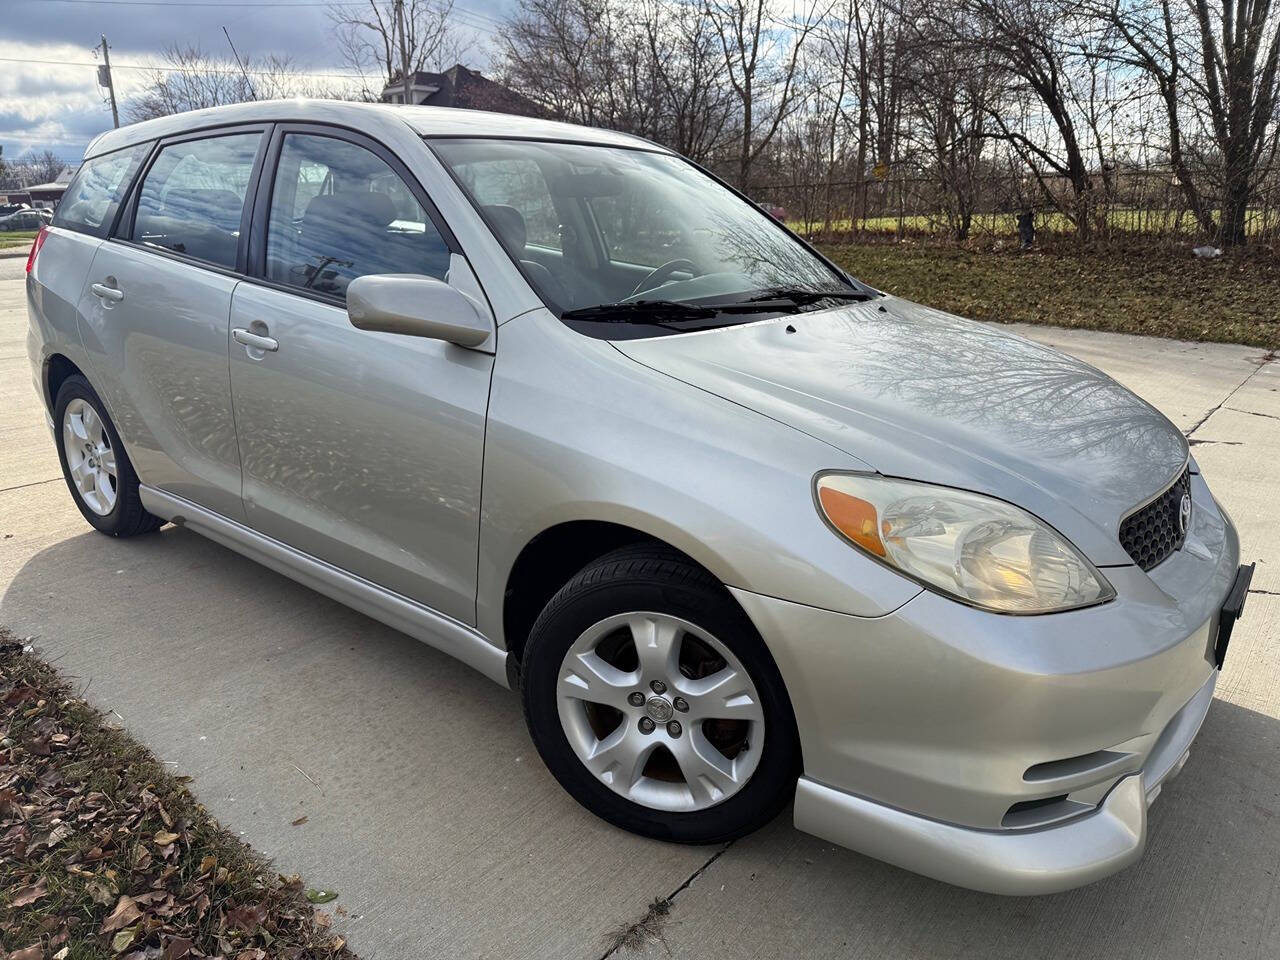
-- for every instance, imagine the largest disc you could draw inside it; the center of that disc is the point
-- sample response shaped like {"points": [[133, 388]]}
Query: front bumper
{"points": [[1010, 754], [1013, 862]]}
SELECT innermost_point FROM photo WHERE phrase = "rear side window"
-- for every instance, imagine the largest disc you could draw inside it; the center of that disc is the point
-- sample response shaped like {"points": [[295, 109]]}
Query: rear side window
{"points": [[192, 199], [94, 195], [338, 212]]}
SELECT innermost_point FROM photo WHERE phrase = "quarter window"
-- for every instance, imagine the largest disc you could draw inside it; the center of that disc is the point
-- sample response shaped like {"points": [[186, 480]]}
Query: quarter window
{"points": [[91, 201], [338, 212], [192, 198]]}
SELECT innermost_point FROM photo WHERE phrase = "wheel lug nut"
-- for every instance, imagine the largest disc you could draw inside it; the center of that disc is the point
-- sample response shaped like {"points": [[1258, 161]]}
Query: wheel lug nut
{"points": [[646, 725], [673, 728], [658, 686], [636, 699], [681, 704]]}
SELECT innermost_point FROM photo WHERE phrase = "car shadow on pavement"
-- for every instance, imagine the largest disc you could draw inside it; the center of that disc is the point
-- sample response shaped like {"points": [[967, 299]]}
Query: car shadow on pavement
{"points": [[426, 803], [417, 775]]}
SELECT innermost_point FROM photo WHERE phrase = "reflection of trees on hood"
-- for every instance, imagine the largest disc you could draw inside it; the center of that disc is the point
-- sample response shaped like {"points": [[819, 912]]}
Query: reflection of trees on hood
{"points": [[986, 379]]}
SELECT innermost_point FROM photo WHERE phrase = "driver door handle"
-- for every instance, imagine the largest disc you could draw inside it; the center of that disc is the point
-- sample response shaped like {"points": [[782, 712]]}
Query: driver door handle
{"points": [[241, 335]]}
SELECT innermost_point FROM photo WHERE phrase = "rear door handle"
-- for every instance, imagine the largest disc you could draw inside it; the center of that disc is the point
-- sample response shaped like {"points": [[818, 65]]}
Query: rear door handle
{"points": [[242, 335], [113, 294]]}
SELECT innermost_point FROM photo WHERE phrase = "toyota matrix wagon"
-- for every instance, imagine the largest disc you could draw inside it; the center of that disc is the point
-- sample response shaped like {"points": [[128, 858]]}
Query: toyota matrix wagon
{"points": [[738, 528]]}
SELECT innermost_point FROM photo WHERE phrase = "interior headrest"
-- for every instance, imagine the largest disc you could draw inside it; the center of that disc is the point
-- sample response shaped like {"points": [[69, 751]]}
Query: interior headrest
{"points": [[357, 208], [509, 223]]}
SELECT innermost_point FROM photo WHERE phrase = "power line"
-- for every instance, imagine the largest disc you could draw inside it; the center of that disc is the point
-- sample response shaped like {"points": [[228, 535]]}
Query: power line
{"points": [[217, 4], [167, 69], [211, 3]]}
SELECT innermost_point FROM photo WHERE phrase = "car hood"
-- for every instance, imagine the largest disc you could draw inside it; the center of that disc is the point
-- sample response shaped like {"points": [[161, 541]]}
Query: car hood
{"points": [[916, 393]]}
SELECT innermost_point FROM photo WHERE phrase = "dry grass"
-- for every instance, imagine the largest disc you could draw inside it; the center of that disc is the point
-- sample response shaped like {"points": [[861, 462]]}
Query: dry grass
{"points": [[1162, 291], [647, 930]]}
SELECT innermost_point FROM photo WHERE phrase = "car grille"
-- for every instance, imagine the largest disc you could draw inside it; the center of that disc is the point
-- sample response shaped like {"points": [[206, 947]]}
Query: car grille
{"points": [[1151, 533]]}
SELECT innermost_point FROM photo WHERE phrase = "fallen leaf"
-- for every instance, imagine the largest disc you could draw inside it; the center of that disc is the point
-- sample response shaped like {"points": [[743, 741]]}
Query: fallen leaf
{"points": [[33, 952], [299, 822], [176, 948], [62, 954], [321, 896], [163, 838], [208, 863], [122, 939], [29, 895], [247, 918], [125, 913]]}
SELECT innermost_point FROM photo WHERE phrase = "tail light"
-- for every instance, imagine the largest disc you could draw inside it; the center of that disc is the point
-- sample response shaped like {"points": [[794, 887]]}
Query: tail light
{"points": [[35, 248]]}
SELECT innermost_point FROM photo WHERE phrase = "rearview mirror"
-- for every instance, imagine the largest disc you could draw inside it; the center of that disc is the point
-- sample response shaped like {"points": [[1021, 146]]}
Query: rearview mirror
{"points": [[417, 306]]}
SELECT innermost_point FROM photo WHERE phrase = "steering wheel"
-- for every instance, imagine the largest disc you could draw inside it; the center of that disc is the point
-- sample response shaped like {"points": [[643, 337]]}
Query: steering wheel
{"points": [[663, 273]]}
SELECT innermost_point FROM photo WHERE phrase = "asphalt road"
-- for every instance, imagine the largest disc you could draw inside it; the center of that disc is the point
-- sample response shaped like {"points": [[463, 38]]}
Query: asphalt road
{"points": [[430, 813]]}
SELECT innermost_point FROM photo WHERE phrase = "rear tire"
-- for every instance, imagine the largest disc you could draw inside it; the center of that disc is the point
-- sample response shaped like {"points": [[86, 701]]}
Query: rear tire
{"points": [[590, 697], [98, 472]]}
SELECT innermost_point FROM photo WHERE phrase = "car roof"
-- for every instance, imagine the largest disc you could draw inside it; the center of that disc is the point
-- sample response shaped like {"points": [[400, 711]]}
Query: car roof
{"points": [[426, 121]]}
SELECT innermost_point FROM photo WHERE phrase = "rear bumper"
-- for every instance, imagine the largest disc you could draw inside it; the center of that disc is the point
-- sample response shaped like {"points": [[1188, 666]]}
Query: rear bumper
{"points": [[1021, 862]]}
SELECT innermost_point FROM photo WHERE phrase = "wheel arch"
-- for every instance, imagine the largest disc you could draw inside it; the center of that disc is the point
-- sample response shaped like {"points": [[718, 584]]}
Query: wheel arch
{"points": [[552, 557], [57, 368]]}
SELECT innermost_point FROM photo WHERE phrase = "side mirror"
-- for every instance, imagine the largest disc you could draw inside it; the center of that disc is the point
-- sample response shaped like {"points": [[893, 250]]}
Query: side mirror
{"points": [[417, 306]]}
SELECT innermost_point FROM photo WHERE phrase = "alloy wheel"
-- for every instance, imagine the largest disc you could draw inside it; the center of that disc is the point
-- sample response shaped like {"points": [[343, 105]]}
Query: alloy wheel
{"points": [[660, 711], [90, 457]]}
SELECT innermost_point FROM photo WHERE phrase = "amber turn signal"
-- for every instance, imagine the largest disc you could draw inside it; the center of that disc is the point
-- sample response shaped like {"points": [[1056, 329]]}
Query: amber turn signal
{"points": [[852, 516]]}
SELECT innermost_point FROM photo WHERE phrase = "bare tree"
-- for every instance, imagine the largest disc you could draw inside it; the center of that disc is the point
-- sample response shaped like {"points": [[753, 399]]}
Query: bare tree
{"points": [[376, 43], [43, 167], [1217, 69], [951, 92], [191, 80], [1036, 43], [690, 75], [760, 54]]}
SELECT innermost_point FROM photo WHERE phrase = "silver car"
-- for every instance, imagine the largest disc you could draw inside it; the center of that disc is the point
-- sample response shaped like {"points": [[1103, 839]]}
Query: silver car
{"points": [[740, 529]]}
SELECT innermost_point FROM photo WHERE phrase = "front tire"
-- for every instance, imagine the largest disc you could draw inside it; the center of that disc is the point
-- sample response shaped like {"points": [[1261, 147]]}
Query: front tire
{"points": [[98, 472], [653, 700]]}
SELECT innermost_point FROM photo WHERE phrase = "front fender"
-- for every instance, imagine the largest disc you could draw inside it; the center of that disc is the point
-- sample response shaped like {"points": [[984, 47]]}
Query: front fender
{"points": [[578, 431]]}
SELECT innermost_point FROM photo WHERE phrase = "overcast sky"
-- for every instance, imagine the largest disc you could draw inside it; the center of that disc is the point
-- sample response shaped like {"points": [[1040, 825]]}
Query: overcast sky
{"points": [[49, 95]]}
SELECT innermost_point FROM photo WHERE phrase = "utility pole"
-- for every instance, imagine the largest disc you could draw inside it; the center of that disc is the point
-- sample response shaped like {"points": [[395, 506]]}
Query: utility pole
{"points": [[104, 80], [404, 53]]}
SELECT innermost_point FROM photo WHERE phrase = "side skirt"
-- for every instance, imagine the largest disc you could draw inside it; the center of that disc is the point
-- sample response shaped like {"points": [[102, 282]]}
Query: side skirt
{"points": [[418, 621]]}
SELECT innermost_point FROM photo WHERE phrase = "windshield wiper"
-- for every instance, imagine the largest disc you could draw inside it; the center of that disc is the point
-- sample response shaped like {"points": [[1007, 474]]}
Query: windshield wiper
{"points": [[666, 312], [641, 311], [803, 296]]}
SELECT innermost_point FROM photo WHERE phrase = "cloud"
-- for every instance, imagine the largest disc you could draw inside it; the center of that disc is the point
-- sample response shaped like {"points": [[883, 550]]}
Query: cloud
{"points": [[49, 94]]}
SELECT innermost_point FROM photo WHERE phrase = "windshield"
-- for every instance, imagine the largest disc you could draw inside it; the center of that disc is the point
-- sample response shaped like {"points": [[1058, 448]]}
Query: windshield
{"points": [[595, 228]]}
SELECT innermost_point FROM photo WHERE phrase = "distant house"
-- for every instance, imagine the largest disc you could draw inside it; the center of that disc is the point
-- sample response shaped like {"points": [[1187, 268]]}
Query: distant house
{"points": [[46, 195], [462, 88]]}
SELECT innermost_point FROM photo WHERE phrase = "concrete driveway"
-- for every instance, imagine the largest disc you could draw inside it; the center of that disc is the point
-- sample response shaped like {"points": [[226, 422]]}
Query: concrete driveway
{"points": [[430, 813]]}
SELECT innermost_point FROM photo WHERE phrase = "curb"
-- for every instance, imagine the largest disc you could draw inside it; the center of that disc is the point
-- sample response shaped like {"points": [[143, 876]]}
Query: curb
{"points": [[14, 252]]}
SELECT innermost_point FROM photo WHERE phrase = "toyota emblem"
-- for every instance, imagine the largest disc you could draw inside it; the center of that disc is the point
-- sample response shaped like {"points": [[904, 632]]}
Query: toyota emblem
{"points": [[1184, 514]]}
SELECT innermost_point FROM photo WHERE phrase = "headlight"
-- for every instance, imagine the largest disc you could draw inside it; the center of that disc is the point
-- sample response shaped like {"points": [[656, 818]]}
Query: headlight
{"points": [[979, 550]]}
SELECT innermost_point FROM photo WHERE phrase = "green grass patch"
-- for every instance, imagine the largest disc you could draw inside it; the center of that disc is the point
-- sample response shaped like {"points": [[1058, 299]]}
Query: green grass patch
{"points": [[16, 238], [104, 853], [1164, 292], [1122, 222]]}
